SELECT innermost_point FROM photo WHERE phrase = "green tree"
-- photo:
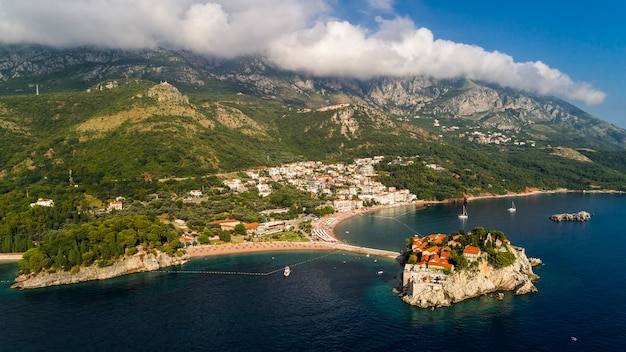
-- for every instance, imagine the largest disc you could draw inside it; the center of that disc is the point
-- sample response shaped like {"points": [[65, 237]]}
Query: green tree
{"points": [[225, 236], [87, 258], [127, 238], [34, 260], [240, 229], [74, 258], [203, 239]]}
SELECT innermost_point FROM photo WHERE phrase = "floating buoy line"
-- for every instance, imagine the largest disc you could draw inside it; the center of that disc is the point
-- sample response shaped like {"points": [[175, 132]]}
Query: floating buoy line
{"points": [[394, 219], [220, 272]]}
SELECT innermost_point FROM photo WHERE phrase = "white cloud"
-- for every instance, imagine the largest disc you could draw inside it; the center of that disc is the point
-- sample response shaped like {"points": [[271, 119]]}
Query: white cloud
{"points": [[298, 35], [339, 48], [384, 5]]}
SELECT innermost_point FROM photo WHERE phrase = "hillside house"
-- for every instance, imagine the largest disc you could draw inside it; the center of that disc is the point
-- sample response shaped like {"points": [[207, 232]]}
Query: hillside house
{"points": [[227, 224], [471, 253], [43, 202], [116, 205], [234, 184], [264, 189]]}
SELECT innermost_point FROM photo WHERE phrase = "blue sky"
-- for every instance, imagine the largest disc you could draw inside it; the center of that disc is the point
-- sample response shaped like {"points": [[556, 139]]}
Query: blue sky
{"points": [[570, 49], [584, 39]]}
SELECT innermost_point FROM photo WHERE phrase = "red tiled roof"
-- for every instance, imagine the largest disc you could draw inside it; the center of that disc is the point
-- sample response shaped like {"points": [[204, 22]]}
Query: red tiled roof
{"points": [[433, 249], [471, 250], [252, 225]]}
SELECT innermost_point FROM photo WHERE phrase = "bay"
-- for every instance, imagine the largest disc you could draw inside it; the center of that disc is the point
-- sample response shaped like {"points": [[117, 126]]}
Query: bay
{"points": [[326, 304]]}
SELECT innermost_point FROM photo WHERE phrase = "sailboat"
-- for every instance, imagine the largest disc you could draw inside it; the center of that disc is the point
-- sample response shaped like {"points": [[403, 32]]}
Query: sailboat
{"points": [[463, 215], [512, 209], [287, 271]]}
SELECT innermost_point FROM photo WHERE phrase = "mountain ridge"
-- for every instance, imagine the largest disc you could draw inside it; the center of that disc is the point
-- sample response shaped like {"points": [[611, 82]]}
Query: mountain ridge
{"points": [[163, 114], [407, 98]]}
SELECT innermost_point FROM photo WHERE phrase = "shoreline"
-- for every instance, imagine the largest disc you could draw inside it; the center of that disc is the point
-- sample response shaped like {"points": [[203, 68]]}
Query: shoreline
{"points": [[328, 224], [343, 216], [10, 257]]}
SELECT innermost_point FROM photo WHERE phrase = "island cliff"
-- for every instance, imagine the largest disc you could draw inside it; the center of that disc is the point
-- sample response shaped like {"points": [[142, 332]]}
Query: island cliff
{"points": [[146, 261], [427, 288]]}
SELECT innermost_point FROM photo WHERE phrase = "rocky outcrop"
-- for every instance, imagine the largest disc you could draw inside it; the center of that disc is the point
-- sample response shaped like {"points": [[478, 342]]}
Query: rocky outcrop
{"points": [[430, 289], [129, 265], [167, 92], [580, 216]]}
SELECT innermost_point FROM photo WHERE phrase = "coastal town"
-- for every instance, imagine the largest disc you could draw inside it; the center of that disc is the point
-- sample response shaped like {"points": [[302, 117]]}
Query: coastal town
{"points": [[349, 188]]}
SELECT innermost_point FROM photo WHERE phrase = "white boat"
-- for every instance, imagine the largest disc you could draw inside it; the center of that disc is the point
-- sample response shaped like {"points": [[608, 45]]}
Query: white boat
{"points": [[512, 209], [287, 271], [380, 272], [463, 215]]}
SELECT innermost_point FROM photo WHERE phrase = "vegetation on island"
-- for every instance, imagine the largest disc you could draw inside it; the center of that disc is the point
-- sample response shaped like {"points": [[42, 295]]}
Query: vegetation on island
{"points": [[493, 243], [101, 243]]}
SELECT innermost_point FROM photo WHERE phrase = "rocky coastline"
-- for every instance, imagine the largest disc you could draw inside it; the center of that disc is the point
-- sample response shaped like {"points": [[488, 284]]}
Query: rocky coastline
{"points": [[433, 289], [140, 262]]}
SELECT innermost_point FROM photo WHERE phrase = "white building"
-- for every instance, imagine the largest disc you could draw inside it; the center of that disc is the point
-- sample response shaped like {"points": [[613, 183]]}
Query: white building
{"points": [[195, 193], [234, 184], [43, 202], [264, 189], [116, 205]]}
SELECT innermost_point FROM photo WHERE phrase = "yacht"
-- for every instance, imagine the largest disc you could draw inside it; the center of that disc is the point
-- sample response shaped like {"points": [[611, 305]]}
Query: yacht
{"points": [[287, 271], [463, 215], [512, 209]]}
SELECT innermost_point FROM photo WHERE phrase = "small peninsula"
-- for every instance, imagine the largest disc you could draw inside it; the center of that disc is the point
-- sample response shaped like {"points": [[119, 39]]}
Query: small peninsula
{"points": [[139, 262], [444, 269], [101, 250]]}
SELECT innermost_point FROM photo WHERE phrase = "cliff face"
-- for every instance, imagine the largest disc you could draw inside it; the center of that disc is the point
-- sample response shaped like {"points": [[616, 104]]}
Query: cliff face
{"points": [[129, 265], [427, 289]]}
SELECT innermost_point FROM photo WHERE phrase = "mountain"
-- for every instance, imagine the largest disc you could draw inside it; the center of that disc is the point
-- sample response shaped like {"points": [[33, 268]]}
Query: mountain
{"points": [[141, 115], [454, 102]]}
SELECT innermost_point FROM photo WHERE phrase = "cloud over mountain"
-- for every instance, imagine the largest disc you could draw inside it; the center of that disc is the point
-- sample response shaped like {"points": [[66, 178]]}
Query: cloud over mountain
{"points": [[300, 35]]}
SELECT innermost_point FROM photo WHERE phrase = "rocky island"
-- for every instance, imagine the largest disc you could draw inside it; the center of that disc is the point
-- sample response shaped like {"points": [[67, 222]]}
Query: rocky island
{"points": [[444, 269], [580, 216]]}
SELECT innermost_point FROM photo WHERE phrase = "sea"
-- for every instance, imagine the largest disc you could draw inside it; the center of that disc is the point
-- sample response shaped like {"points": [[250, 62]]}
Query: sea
{"points": [[337, 301]]}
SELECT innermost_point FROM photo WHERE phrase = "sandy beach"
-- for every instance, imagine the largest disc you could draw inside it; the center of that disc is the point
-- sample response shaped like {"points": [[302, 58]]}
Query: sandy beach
{"points": [[10, 257], [251, 247]]}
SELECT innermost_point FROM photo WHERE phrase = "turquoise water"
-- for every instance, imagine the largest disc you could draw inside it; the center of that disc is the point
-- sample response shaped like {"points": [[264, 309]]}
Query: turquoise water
{"points": [[329, 305]]}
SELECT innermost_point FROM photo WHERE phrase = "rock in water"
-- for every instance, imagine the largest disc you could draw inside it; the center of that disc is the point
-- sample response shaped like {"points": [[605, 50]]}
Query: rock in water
{"points": [[580, 216]]}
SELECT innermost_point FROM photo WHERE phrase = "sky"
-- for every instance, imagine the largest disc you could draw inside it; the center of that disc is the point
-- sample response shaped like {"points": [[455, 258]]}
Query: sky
{"points": [[572, 49]]}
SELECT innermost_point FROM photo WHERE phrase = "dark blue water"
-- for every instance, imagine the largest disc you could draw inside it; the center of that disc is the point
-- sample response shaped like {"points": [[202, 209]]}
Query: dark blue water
{"points": [[326, 305]]}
